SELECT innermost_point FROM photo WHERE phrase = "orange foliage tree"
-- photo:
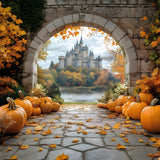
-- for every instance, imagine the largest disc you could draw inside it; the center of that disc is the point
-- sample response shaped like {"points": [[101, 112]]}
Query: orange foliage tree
{"points": [[11, 37], [118, 65]]}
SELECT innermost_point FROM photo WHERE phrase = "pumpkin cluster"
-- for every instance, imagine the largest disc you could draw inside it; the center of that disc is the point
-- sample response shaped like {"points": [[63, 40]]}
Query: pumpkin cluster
{"points": [[14, 115], [142, 108]]}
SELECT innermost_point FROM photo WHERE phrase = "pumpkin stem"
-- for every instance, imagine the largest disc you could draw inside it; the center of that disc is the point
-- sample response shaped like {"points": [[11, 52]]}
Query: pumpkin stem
{"points": [[138, 99], [153, 102], [21, 96], [12, 105], [45, 100]]}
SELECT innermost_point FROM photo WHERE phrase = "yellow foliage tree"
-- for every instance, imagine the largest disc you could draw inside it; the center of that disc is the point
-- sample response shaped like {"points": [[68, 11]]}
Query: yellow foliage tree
{"points": [[118, 65], [11, 37]]}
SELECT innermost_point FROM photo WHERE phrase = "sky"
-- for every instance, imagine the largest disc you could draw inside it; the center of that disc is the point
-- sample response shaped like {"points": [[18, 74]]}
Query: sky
{"points": [[94, 40]]}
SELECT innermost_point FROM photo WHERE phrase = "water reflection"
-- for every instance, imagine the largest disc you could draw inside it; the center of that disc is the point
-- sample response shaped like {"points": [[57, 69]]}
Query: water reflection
{"points": [[81, 97]]}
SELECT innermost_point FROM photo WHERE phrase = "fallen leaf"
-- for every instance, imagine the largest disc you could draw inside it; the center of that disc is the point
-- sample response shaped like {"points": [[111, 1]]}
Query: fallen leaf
{"points": [[119, 146], [13, 157], [141, 140], [117, 126], [75, 140], [126, 125], [154, 155], [46, 132], [89, 120], [137, 124], [16, 136], [53, 145], [71, 122], [113, 139], [91, 127], [40, 149], [24, 146], [106, 127], [36, 139], [126, 140], [102, 132], [57, 136], [84, 132], [62, 157], [38, 128], [80, 123], [8, 149], [122, 135]]}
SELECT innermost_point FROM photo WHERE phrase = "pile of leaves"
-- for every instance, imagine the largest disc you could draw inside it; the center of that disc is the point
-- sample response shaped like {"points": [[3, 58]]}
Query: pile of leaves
{"points": [[9, 87], [149, 84]]}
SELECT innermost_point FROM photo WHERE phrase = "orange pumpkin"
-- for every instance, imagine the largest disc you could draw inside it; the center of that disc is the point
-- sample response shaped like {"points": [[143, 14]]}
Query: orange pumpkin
{"points": [[125, 108], [146, 97], [47, 99], [34, 100], [150, 117], [118, 109], [123, 99], [135, 109], [112, 105], [24, 103], [55, 106], [36, 110], [46, 107], [12, 117]]}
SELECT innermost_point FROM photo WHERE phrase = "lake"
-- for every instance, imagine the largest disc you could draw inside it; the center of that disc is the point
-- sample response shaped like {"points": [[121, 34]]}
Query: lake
{"points": [[81, 97]]}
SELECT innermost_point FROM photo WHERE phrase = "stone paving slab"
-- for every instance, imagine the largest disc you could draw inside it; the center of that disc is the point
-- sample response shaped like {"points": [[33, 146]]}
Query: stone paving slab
{"points": [[91, 146]]}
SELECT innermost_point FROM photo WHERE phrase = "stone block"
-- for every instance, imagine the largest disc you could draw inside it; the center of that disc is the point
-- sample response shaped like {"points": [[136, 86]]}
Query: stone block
{"points": [[50, 14], [30, 67], [131, 53], [50, 27], [142, 54], [38, 40], [133, 78], [96, 1], [131, 23], [118, 34], [117, 1], [110, 26], [106, 1], [34, 44], [72, 2], [68, 19], [140, 12], [89, 1], [58, 22], [51, 2], [95, 141], [82, 147], [104, 154], [123, 1], [136, 43], [62, 2], [125, 42], [81, 2], [146, 66], [88, 18], [99, 20], [132, 1], [132, 66], [43, 34], [142, 2], [75, 18], [133, 12]]}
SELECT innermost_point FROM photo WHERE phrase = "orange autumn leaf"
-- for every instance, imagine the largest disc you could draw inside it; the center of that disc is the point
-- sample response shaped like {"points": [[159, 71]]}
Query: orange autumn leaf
{"points": [[141, 140], [75, 141], [24, 146], [57, 136], [36, 139], [122, 135], [102, 132], [117, 126], [8, 149], [40, 149], [144, 18], [89, 120], [106, 127], [154, 44], [38, 128], [13, 157], [84, 132], [119, 146], [46, 132], [113, 139], [53, 145], [126, 140], [154, 155], [62, 157]]}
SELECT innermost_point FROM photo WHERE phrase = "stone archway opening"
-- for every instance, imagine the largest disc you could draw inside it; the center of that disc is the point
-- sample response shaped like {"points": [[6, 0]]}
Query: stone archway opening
{"points": [[81, 19]]}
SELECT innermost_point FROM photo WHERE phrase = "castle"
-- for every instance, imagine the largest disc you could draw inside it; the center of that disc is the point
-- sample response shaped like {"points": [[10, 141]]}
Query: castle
{"points": [[78, 57]]}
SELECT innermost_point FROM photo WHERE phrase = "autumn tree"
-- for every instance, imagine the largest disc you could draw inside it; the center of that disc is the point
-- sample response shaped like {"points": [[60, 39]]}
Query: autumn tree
{"points": [[12, 38], [118, 65]]}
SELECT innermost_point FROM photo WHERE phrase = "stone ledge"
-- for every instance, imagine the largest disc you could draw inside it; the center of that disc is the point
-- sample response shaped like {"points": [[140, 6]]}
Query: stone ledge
{"points": [[118, 34], [68, 19], [58, 22], [50, 27], [43, 34], [110, 26]]}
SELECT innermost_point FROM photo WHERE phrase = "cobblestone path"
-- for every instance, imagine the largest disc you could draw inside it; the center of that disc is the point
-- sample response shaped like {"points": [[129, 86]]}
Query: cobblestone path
{"points": [[82, 122]]}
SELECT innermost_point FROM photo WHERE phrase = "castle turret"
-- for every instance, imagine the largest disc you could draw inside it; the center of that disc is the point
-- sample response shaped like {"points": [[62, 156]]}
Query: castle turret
{"points": [[61, 64], [91, 60], [99, 63]]}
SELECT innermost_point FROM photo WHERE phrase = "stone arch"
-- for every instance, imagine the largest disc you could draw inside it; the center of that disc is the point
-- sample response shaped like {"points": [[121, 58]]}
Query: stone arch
{"points": [[84, 19]]}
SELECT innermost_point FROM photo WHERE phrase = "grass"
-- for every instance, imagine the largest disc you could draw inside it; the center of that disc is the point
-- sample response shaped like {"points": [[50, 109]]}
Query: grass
{"points": [[80, 102]]}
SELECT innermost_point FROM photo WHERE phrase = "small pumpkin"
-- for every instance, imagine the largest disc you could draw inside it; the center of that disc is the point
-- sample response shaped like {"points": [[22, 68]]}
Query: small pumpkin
{"points": [[146, 97], [125, 108], [112, 105], [46, 107], [12, 117], [34, 100], [123, 99], [47, 99], [36, 111], [24, 103], [55, 107], [118, 109], [150, 117], [135, 109]]}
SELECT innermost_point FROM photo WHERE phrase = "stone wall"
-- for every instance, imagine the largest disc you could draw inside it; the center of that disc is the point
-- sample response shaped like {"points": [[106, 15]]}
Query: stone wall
{"points": [[120, 18]]}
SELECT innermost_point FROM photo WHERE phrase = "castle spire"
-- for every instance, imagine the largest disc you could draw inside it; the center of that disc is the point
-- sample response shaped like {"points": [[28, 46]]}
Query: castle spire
{"points": [[81, 40]]}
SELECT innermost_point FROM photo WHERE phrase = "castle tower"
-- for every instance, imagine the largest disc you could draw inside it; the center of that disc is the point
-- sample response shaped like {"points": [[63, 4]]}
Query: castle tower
{"points": [[68, 60], [61, 62], [91, 60], [99, 63]]}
